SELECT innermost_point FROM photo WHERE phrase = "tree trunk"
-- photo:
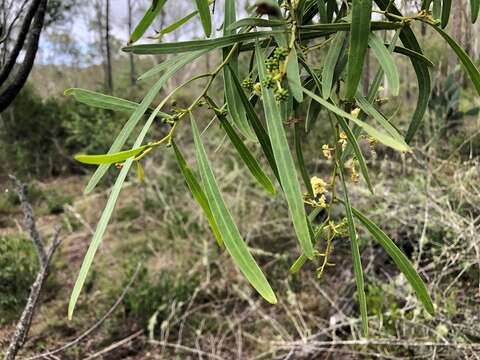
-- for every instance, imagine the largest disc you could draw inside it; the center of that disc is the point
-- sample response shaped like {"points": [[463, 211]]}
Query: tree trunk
{"points": [[108, 67], [24, 69]]}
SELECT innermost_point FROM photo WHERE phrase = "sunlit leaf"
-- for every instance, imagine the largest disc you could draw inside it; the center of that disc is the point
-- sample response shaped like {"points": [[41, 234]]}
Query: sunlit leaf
{"points": [[109, 158], [106, 215], [102, 101]]}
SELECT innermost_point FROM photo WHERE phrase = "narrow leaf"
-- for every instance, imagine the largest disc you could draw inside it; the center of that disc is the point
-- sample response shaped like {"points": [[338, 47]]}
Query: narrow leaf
{"points": [[105, 217], [446, 9], [256, 125], [245, 154], [400, 259], [206, 19], [467, 63], [193, 45], [361, 18], [357, 261], [102, 101], [231, 236], [284, 160], [146, 21], [197, 192], [407, 36], [293, 76], [258, 22], [369, 109], [384, 138], [386, 61], [175, 25], [330, 63], [297, 131], [109, 158], [234, 103], [138, 114], [475, 10]]}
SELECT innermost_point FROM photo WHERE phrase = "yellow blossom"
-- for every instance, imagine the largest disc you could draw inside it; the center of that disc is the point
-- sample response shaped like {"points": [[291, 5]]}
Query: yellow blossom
{"points": [[353, 172], [355, 112], [322, 202], [343, 140], [318, 186], [327, 151]]}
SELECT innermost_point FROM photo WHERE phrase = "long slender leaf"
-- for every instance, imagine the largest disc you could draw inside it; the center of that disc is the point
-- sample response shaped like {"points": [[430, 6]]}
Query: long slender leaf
{"points": [[284, 160], [231, 236], [205, 17], [369, 109], [386, 61], [330, 63], [138, 114], [361, 19], [146, 21], [467, 63], [105, 217], [109, 158], [256, 125], [246, 155], [234, 103], [358, 152], [258, 22], [384, 138], [446, 9], [175, 25], [293, 76], [197, 192], [400, 259], [297, 130], [193, 45], [475, 10], [421, 70], [102, 101], [357, 261]]}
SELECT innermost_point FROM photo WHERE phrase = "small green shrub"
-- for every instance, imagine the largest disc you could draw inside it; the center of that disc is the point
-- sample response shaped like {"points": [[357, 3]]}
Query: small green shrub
{"points": [[150, 294], [128, 213], [56, 129], [18, 267]]}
